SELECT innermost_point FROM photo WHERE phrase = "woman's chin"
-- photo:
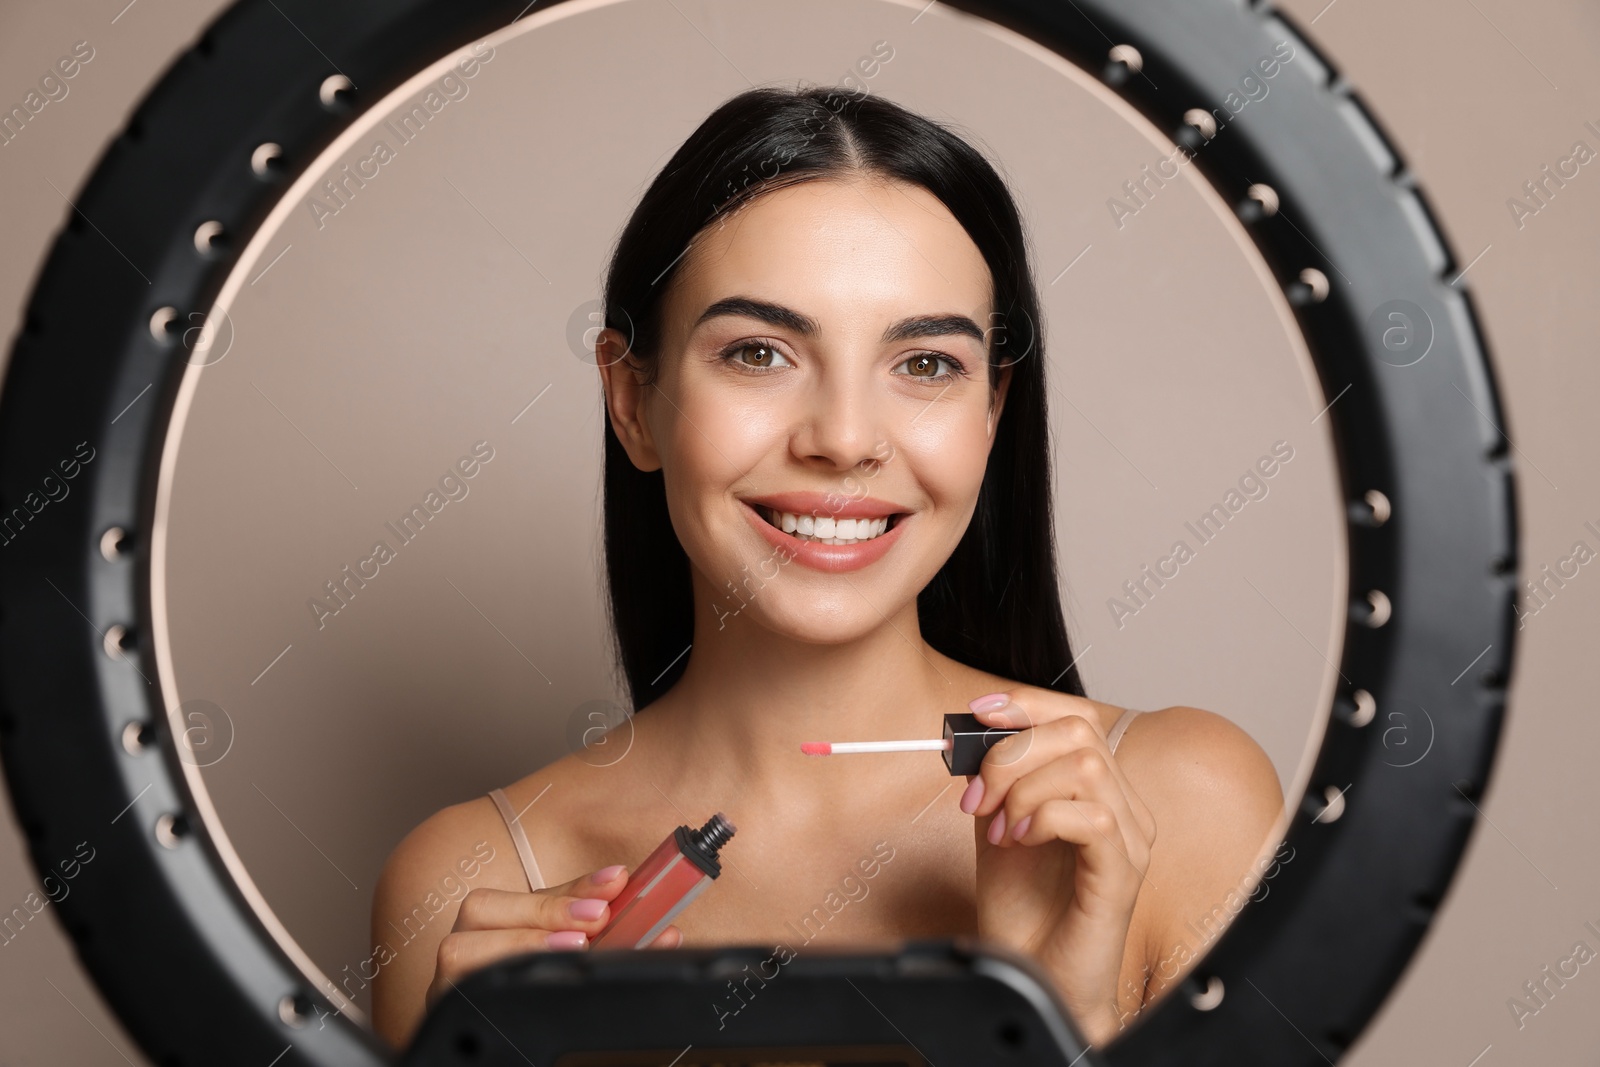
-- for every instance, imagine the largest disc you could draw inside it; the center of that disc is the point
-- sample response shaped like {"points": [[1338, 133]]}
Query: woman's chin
{"points": [[814, 626]]}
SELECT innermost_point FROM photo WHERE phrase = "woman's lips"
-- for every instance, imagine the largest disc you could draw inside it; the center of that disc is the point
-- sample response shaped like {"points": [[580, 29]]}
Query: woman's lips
{"points": [[831, 559]]}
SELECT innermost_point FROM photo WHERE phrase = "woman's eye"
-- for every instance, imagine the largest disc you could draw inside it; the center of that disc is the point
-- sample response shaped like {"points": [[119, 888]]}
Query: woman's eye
{"points": [[923, 365], [764, 354]]}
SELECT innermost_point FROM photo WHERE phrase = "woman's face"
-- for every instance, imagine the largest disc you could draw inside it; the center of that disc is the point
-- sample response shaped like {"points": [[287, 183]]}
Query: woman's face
{"points": [[823, 353]]}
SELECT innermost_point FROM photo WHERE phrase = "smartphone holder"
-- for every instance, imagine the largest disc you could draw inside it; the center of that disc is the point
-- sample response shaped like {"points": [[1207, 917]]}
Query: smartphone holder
{"points": [[930, 1002]]}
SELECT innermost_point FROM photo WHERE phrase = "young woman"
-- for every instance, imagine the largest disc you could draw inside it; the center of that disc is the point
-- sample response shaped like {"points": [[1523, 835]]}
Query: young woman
{"points": [[828, 518]]}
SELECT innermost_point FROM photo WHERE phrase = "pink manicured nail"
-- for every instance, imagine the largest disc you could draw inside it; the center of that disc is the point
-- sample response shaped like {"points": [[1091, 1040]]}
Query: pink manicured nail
{"points": [[997, 828], [990, 702], [1021, 828], [999, 717], [563, 939], [973, 796], [586, 909], [605, 874]]}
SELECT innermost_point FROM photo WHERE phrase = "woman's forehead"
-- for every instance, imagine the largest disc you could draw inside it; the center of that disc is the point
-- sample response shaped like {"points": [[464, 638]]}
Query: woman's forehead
{"points": [[877, 248]]}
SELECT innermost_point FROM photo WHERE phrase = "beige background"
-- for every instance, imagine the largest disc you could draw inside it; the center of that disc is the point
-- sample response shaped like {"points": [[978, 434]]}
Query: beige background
{"points": [[1145, 448]]}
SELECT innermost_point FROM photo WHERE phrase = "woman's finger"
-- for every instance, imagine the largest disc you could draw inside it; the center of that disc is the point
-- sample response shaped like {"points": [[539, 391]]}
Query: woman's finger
{"points": [[1030, 710], [1084, 775], [558, 908], [671, 937], [1061, 730], [1029, 705], [1022, 753], [1094, 828]]}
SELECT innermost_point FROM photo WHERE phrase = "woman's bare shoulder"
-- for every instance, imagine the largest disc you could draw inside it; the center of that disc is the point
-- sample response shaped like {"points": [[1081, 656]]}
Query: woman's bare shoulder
{"points": [[1218, 806], [1207, 751], [1212, 780], [443, 846], [459, 848], [475, 827]]}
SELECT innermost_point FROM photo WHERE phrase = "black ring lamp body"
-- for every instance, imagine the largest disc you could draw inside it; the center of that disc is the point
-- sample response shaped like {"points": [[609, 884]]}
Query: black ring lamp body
{"points": [[198, 976]]}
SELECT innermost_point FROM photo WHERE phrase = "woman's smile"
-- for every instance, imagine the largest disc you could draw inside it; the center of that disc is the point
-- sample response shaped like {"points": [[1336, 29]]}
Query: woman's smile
{"points": [[833, 541]]}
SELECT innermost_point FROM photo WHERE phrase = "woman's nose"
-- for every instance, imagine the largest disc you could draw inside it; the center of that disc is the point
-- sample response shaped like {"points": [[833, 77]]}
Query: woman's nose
{"points": [[843, 424]]}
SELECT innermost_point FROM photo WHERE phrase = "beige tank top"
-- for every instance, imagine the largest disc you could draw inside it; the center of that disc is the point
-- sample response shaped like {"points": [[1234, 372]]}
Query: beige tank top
{"points": [[519, 837]]}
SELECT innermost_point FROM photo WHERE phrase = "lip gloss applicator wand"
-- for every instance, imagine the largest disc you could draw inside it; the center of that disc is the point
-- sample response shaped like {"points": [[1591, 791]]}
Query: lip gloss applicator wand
{"points": [[966, 741]]}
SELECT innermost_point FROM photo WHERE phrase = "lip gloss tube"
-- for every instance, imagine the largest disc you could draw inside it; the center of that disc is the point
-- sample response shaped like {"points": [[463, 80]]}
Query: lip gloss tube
{"points": [[678, 870]]}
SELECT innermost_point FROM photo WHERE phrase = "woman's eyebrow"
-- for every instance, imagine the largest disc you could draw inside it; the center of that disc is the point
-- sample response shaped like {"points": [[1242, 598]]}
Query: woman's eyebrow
{"points": [[805, 326]]}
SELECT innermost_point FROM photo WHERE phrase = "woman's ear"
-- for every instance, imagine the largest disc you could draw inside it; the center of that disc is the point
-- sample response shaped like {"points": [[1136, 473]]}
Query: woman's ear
{"points": [[623, 381], [998, 401]]}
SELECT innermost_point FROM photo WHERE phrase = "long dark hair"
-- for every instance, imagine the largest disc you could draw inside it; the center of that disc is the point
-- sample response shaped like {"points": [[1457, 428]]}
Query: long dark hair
{"points": [[995, 604]]}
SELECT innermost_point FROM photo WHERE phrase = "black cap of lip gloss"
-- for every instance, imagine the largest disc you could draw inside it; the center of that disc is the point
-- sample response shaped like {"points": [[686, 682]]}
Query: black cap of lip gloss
{"points": [[973, 740]]}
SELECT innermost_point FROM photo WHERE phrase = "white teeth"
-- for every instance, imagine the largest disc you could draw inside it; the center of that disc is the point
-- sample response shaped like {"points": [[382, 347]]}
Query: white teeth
{"points": [[827, 529]]}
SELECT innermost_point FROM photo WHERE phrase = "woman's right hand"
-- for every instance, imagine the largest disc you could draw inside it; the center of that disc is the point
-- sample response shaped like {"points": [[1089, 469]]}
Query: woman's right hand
{"points": [[492, 924]]}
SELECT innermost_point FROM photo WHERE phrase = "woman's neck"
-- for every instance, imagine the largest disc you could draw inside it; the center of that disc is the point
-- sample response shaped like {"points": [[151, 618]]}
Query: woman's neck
{"points": [[733, 724]]}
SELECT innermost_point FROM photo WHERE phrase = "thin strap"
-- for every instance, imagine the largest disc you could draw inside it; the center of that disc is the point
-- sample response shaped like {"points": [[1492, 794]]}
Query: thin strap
{"points": [[518, 838], [1119, 727]]}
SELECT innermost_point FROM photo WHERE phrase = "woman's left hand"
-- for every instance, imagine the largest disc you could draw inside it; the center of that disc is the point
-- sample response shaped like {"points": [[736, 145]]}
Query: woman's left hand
{"points": [[1063, 889]]}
